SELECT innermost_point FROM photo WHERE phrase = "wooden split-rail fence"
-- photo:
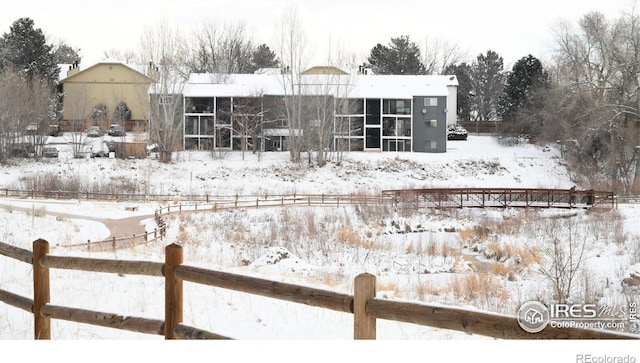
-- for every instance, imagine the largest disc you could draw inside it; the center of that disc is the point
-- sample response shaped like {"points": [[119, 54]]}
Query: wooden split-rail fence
{"points": [[365, 306]]}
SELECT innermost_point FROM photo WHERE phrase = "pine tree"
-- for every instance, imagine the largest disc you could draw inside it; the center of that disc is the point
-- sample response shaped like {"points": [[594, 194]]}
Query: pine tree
{"points": [[264, 57], [122, 112], [526, 78], [25, 49], [487, 85], [401, 56], [64, 54]]}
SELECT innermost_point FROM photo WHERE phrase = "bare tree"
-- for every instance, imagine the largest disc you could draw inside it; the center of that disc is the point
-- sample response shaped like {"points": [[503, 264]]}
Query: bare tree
{"points": [[27, 105], [78, 112], [220, 47], [439, 54], [249, 121], [160, 45], [123, 55], [598, 65], [564, 255], [294, 54]]}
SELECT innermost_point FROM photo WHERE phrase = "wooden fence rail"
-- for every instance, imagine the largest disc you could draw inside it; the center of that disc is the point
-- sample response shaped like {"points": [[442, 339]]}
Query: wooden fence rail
{"points": [[363, 304]]}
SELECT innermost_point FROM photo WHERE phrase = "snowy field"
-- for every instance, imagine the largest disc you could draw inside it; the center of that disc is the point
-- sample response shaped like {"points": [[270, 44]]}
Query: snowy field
{"points": [[479, 259]]}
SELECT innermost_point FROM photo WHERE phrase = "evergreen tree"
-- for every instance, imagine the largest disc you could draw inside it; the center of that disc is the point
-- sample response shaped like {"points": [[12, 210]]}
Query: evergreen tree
{"points": [[264, 57], [99, 112], [525, 79], [122, 112], [401, 56], [487, 79], [64, 54], [25, 48]]}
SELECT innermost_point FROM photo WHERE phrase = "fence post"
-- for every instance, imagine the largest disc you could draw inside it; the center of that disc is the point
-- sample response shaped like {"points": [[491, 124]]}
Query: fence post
{"points": [[364, 290], [114, 243], [41, 290], [173, 290]]}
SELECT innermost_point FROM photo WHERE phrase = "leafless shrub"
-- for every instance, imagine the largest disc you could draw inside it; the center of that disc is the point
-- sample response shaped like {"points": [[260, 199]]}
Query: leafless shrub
{"points": [[564, 255], [310, 221], [53, 182], [608, 225]]}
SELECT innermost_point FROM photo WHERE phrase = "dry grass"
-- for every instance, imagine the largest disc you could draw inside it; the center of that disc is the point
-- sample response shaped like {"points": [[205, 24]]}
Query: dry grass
{"points": [[475, 233], [40, 211], [348, 236], [184, 236], [427, 288], [483, 289], [388, 289], [520, 255]]}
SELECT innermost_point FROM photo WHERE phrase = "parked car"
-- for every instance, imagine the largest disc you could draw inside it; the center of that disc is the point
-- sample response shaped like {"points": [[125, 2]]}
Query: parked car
{"points": [[456, 132], [50, 152], [32, 128], [55, 130], [117, 130], [94, 131]]}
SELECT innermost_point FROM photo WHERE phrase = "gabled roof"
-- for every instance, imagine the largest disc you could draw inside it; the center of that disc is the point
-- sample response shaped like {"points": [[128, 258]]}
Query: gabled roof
{"points": [[64, 69], [325, 70]]}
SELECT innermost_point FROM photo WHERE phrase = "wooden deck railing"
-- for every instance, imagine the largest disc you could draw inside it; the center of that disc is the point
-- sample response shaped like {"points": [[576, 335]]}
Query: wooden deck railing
{"points": [[363, 303]]}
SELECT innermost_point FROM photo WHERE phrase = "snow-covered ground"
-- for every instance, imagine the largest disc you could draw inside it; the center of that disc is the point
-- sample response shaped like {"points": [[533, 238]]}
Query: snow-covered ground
{"points": [[481, 259]]}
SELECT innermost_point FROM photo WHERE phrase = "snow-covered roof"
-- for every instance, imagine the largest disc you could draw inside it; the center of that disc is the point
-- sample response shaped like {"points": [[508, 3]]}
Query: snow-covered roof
{"points": [[344, 86], [65, 68]]}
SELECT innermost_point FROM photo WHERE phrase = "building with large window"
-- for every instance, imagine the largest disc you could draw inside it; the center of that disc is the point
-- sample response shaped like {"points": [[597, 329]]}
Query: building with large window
{"points": [[325, 106]]}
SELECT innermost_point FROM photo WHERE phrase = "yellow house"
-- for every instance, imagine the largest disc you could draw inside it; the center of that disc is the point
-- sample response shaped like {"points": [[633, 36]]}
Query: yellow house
{"points": [[106, 83]]}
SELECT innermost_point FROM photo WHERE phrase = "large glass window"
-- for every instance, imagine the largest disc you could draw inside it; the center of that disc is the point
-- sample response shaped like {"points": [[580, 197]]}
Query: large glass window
{"points": [[396, 107], [223, 110], [356, 126], [191, 125], [206, 126], [373, 111], [247, 105], [199, 105], [223, 137], [350, 106], [403, 127]]}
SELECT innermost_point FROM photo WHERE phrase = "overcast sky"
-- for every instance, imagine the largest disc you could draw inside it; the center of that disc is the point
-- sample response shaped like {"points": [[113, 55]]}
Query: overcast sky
{"points": [[511, 28]]}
